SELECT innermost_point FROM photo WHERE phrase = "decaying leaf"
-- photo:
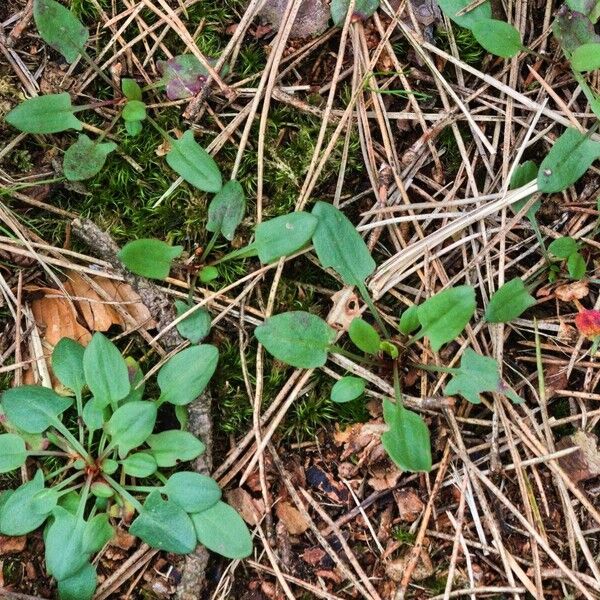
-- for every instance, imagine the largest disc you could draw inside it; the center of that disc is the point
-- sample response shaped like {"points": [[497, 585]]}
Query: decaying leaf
{"points": [[249, 508], [291, 517], [584, 463], [395, 569], [572, 291], [345, 308], [409, 504], [312, 18], [183, 75]]}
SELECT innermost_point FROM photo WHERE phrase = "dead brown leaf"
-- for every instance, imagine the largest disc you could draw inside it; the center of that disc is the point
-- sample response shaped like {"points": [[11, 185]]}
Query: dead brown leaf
{"points": [[584, 463], [12, 544], [572, 291], [291, 517], [311, 20], [345, 308], [249, 508], [409, 504]]}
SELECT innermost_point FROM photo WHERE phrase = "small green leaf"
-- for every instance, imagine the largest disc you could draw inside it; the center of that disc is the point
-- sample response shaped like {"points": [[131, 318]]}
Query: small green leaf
{"points": [[20, 512], [130, 425], [93, 414], [185, 376], [409, 320], [80, 586], [85, 158], [192, 491], [60, 28], [33, 408], [390, 349], [101, 490], [586, 57], [109, 466], [134, 110], [347, 389], [297, 338], [339, 246], [226, 210], [568, 160], [525, 173], [509, 302], [149, 257], [65, 554], [283, 235], [174, 446], [133, 128], [139, 464], [13, 453], [67, 364], [105, 371], [223, 531], [497, 37], [98, 532], [164, 525], [195, 327], [51, 113], [208, 274], [363, 9], [131, 89], [364, 336], [576, 266], [188, 159], [563, 247], [477, 374], [451, 7], [407, 439], [445, 315]]}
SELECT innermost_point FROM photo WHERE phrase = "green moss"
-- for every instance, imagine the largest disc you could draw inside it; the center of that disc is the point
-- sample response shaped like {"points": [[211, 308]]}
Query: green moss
{"points": [[469, 49]]}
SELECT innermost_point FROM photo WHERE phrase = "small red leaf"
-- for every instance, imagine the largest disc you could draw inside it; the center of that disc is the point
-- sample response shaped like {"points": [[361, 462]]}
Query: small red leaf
{"points": [[588, 323]]}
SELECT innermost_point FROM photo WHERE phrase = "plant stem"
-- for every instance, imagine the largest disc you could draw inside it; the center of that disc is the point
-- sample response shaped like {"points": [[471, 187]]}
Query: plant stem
{"points": [[124, 493], [93, 105], [68, 480], [79, 402], [355, 357], [245, 252], [369, 302], [140, 488], [72, 440], [47, 453]]}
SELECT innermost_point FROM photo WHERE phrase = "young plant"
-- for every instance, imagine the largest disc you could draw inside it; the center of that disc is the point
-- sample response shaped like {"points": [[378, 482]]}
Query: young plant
{"points": [[103, 454], [567, 249]]}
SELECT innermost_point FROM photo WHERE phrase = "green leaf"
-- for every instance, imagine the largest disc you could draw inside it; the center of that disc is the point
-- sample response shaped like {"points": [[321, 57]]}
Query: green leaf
{"points": [[192, 491], [85, 158], [586, 57], [340, 247], [93, 414], [524, 174], [195, 327], [226, 210], [586, 7], [477, 374], [131, 89], [283, 235], [134, 110], [44, 114], [136, 381], [185, 376], [130, 425], [510, 301], [164, 525], [188, 159], [174, 446], [208, 274], [20, 512], [297, 338], [407, 439], [109, 466], [65, 554], [67, 364], [445, 315], [568, 160], [409, 320], [223, 531], [133, 128], [33, 408], [497, 37], [80, 586], [347, 389], [98, 531], [576, 266], [13, 453], [451, 7], [140, 464], [364, 336], [102, 490], [363, 9], [60, 28], [149, 257], [105, 371], [563, 247]]}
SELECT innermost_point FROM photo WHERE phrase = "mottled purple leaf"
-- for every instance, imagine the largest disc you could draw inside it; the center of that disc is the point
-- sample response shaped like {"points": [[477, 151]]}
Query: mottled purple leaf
{"points": [[184, 75], [573, 29]]}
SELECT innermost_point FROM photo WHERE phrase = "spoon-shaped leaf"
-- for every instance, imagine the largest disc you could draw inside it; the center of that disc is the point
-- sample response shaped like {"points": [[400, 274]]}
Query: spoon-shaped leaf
{"points": [[509, 302], [407, 439], [80, 585], [33, 408], [165, 525], [222, 530], [65, 554], [364, 336], [44, 114], [497, 37], [67, 364], [139, 464], [192, 491], [60, 28], [297, 338], [226, 209], [13, 453], [149, 257], [188, 159], [174, 446], [184, 376], [85, 158], [194, 327], [570, 157], [340, 246], [130, 425], [347, 389]]}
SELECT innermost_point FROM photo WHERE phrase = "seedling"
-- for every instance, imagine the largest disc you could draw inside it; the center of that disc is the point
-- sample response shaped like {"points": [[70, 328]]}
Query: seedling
{"points": [[104, 456], [567, 249]]}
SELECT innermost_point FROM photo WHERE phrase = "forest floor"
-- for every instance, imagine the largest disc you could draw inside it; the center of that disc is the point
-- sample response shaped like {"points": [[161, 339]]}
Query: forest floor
{"points": [[413, 130]]}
